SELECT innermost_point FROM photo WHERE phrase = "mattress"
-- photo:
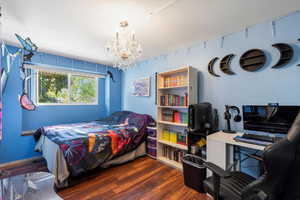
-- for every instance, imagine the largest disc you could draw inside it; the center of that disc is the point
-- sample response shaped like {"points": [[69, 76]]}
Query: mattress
{"points": [[57, 164]]}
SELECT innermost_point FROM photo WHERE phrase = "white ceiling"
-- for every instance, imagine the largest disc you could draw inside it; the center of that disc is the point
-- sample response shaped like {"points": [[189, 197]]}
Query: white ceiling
{"points": [[80, 28]]}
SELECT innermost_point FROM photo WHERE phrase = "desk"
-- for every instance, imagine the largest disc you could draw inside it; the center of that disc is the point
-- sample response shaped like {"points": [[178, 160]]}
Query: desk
{"points": [[220, 148]]}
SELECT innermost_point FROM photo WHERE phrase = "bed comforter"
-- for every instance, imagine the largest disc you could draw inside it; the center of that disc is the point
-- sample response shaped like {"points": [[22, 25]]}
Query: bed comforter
{"points": [[87, 145]]}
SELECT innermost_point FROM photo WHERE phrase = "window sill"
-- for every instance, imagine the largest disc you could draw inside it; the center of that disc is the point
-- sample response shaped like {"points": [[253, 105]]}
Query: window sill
{"points": [[66, 104]]}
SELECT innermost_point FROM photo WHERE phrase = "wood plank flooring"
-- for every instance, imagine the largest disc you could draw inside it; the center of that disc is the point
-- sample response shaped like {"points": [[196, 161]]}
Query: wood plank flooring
{"points": [[142, 179]]}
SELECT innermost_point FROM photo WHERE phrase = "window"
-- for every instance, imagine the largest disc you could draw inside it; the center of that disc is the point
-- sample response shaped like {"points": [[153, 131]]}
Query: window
{"points": [[66, 89]]}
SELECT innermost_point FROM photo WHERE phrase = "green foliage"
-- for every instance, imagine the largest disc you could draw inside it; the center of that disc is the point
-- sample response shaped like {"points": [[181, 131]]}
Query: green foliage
{"points": [[53, 88], [83, 89]]}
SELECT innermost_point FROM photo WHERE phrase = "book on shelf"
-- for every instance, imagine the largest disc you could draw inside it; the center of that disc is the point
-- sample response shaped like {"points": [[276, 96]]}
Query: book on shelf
{"points": [[174, 100], [173, 81], [182, 138], [172, 153], [174, 116], [176, 137]]}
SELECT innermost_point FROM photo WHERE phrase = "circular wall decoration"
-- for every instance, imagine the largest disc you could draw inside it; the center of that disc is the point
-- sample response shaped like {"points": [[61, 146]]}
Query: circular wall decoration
{"points": [[286, 54], [211, 67], [253, 60], [225, 64]]}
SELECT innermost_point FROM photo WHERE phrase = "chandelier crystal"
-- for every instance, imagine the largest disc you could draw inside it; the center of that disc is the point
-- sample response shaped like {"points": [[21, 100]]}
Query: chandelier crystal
{"points": [[124, 48]]}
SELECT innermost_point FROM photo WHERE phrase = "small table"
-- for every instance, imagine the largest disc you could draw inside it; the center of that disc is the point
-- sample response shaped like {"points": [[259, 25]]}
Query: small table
{"points": [[31, 186]]}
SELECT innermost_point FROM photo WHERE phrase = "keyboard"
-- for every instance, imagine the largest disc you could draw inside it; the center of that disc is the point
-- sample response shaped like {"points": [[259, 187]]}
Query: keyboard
{"points": [[251, 141], [264, 138]]}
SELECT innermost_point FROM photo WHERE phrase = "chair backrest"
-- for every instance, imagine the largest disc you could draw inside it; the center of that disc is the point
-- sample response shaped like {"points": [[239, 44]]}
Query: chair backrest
{"points": [[292, 189], [282, 164]]}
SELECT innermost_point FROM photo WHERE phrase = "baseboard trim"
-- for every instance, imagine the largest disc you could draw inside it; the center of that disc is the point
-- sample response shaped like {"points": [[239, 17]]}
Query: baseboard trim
{"points": [[19, 163]]}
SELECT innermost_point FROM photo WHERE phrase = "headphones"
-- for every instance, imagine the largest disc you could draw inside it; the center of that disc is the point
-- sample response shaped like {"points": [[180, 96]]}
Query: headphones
{"points": [[227, 114]]}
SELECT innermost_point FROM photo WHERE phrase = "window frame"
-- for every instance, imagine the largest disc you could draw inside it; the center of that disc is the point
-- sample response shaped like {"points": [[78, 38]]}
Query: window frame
{"points": [[69, 74]]}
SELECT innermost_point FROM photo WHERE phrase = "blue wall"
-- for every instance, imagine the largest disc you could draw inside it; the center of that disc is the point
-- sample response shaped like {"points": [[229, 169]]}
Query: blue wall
{"points": [[15, 119], [261, 87]]}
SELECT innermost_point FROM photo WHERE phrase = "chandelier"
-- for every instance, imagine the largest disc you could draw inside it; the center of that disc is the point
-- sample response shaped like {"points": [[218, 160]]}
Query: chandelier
{"points": [[124, 48]]}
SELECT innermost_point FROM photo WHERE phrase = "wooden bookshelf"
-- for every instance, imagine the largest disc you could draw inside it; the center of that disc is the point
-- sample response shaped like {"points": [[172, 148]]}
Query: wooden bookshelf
{"points": [[174, 85]]}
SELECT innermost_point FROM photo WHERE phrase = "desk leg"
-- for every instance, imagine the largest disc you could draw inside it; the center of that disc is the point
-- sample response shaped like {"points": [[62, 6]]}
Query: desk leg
{"points": [[229, 156], [236, 158]]}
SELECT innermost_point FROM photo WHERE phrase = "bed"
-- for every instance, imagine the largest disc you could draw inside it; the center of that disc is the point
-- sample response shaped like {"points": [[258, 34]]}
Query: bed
{"points": [[72, 149]]}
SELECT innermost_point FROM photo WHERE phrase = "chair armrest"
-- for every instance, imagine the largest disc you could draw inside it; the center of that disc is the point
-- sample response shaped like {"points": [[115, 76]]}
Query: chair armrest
{"points": [[217, 170]]}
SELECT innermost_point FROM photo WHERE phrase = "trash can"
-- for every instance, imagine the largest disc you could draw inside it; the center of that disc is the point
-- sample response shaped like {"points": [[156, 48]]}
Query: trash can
{"points": [[194, 172]]}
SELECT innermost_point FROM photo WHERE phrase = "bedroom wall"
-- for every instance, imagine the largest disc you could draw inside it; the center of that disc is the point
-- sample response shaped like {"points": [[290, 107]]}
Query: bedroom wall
{"points": [[261, 87], [15, 119]]}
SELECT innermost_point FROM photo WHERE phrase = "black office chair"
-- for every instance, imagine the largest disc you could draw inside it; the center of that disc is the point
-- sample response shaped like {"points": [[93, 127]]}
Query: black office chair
{"points": [[280, 182]]}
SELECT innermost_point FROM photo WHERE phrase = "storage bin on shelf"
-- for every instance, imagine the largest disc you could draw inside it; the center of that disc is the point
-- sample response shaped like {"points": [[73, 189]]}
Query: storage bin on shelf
{"points": [[151, 142]]}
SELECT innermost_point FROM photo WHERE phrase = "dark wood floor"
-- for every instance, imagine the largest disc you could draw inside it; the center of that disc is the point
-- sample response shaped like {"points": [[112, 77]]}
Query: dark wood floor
{"points": [[142, 179]]}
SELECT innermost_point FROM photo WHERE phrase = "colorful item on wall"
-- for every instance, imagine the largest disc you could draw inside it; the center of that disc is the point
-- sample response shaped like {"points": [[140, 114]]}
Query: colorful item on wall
{"points": [[27, 45], [141, 87]]}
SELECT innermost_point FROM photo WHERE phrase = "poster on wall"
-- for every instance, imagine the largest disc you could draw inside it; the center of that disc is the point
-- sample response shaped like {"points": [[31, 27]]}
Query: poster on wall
{"points": [[141, 87]]}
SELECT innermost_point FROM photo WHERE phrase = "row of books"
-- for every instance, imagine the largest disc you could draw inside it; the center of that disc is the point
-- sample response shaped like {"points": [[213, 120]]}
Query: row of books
{"points": [[174, 100], [174, 116], [172, 153], [177, 137], [173, 81]]}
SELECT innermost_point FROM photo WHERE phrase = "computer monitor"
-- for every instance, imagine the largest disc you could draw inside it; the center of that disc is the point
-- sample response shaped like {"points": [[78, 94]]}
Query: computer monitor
{"points": [[272, 119]]}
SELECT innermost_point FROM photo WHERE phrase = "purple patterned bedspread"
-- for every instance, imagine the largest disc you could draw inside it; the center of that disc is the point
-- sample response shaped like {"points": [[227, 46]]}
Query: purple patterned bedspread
{"points": [[88, 145]]}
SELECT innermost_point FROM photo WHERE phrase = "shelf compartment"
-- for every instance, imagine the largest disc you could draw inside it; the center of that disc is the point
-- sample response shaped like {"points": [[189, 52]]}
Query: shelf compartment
{"points": [[173, 87], [253, 60], [175, 145], [169, 162], [172, 123]]}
